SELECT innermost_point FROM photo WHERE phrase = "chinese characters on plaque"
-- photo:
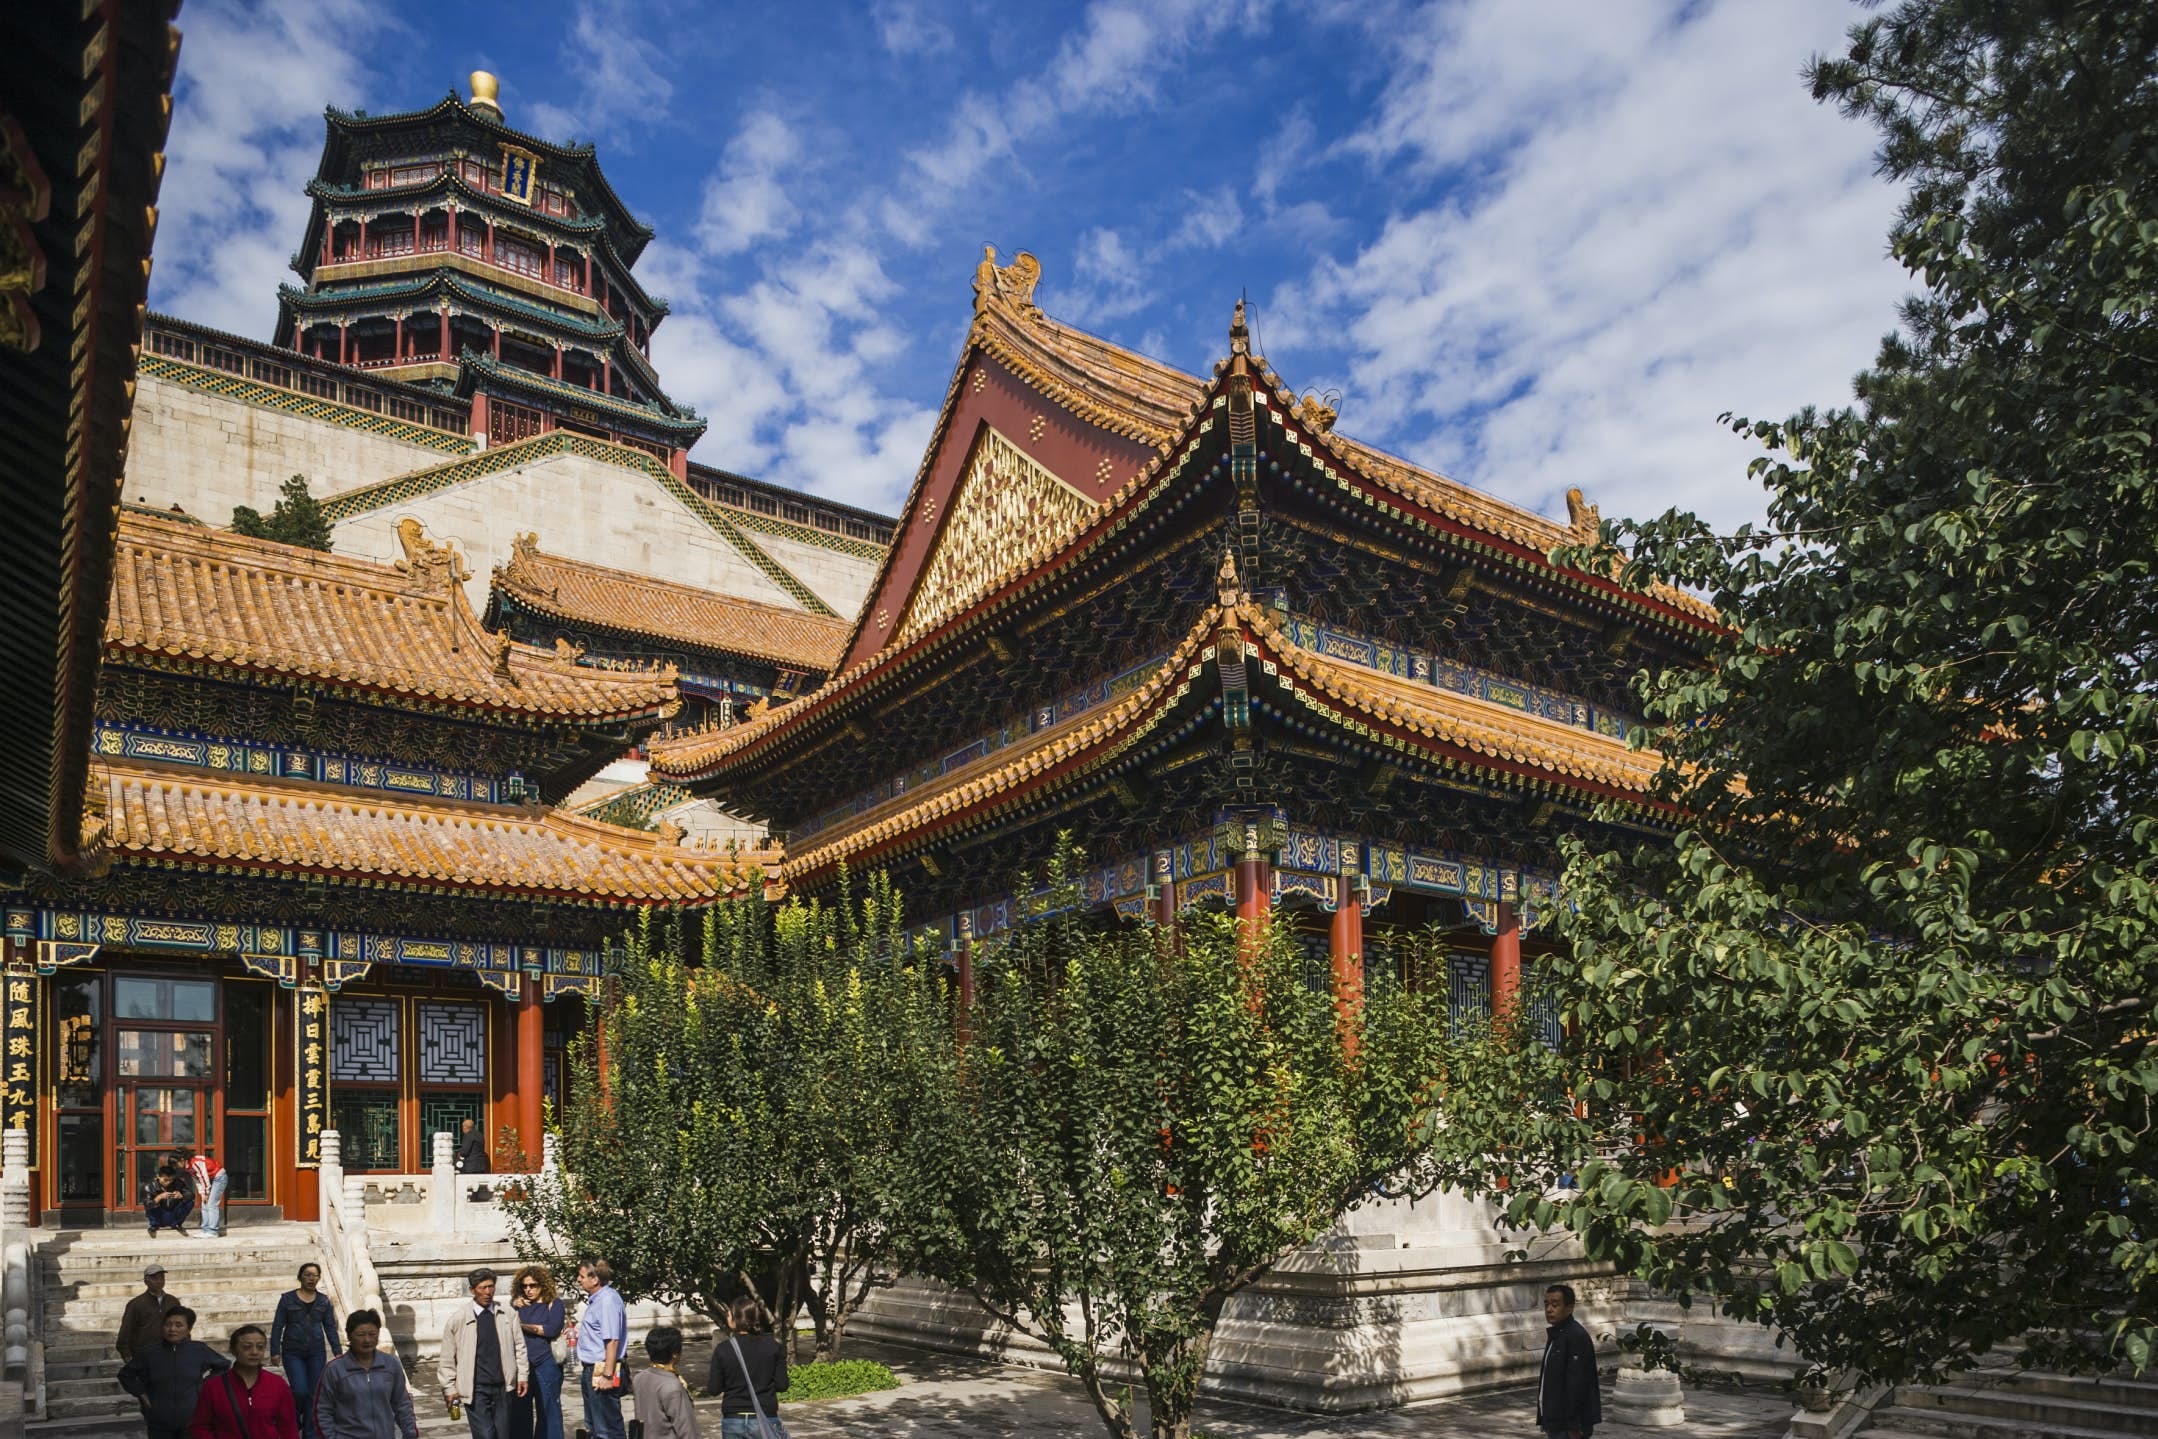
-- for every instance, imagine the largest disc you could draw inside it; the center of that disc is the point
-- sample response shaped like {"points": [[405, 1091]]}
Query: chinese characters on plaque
{"points": [[18, 1020], [312, 1014]]}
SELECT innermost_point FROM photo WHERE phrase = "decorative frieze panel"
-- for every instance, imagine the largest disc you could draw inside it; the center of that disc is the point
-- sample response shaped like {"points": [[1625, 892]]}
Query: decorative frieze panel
{"points": [[1424, 667], [1008, 511], [268, 761]]}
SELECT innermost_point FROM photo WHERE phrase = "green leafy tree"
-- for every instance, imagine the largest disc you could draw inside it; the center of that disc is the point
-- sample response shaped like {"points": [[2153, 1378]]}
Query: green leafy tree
{"points": [[1137, 1130], [1871, 1049], [297, 518], [744, 1128]]}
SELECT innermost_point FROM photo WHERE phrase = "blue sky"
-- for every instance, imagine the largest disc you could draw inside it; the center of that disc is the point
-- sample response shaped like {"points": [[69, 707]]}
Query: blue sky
{"points": [[1530, 243]]}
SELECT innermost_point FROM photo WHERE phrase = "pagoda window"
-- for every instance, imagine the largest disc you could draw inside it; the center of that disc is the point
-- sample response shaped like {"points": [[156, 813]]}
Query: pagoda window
{"points": [[471, 235], [518, 256], [413, 174], [394, 239], [507, 422]]}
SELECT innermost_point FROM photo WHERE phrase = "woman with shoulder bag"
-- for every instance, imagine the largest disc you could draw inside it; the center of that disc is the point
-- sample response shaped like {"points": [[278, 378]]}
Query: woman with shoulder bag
{"points": [[537, 1414], [303, 1338], [246, 1401], [749, 1369]]}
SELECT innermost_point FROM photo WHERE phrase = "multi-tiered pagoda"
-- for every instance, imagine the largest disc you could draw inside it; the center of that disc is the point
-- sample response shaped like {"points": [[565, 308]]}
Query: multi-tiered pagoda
{"points": [[447, 249]]}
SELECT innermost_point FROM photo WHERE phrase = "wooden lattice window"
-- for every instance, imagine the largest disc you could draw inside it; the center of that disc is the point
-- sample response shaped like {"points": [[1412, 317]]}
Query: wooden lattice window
{"points": [[507, 422]]}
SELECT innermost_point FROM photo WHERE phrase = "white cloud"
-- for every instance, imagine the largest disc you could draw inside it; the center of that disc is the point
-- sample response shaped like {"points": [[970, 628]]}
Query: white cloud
{"points": [[246, 136], [1649, 223], [622, 84], [1107, 284], [908, 31], [746, 200], [1114, 61], [1210, 220]]}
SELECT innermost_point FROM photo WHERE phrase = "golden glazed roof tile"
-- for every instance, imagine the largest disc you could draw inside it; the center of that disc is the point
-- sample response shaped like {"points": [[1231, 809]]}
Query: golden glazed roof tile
{"points": [[577, 592], [1490, 731], [1129, 394], [158, 814], [1527, 745], [187, 592]]}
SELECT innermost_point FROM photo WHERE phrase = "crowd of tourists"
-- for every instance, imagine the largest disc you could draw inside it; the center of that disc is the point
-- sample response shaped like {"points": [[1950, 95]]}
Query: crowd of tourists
{"points": [[500, 1367]]}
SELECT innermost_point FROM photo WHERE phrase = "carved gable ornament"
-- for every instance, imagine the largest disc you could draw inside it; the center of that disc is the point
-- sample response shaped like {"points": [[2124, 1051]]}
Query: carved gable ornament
{"points": [[1007, 513]]}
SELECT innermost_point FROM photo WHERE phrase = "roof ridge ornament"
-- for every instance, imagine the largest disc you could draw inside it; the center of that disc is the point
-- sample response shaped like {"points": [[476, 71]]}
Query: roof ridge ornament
{"points": [[427, 565], [1014, 283], [1229, 589], [1584, 522], [1239, 332]]}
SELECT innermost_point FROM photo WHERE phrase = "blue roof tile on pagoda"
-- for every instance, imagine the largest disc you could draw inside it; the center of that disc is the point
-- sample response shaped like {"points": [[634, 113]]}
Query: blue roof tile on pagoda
{"points": [[345, 126], [679, 419], [478, 292]]}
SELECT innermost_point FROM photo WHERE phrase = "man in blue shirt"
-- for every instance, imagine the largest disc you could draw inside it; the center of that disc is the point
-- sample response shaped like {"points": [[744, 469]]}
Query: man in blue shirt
{"points": [[602, 1336]]}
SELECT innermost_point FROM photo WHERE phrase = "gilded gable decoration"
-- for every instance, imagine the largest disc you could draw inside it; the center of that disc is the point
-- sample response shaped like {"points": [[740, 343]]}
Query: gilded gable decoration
{"points": [[1007, 512]]}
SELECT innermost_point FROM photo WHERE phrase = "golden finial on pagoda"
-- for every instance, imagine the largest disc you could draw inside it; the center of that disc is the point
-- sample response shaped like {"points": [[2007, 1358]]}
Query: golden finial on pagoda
{"points": [[486, 90]]}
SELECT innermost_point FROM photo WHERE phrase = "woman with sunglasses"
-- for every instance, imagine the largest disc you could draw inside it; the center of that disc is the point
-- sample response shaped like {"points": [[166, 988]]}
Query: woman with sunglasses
{"points": [[537, 1414]]}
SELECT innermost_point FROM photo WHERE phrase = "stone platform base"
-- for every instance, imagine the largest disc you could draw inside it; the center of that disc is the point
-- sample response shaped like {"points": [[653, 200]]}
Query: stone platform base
{"points": [[1401, 1303]]}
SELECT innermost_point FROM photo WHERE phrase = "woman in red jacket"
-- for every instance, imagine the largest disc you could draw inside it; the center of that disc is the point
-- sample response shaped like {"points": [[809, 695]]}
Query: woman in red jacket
{"points": [[246, 1401]]}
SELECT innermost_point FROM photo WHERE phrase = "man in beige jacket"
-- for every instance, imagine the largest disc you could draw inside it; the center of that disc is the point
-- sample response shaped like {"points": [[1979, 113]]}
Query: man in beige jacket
{"points": [[483, 1359]]}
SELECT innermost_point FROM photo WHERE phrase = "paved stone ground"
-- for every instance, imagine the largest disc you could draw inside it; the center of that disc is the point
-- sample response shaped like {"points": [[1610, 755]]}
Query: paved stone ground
{"points": [[947, 1397]]}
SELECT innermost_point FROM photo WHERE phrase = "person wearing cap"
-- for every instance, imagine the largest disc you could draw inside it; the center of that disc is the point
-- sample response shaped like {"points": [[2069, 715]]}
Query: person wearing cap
{"points": [[144, 1318]]}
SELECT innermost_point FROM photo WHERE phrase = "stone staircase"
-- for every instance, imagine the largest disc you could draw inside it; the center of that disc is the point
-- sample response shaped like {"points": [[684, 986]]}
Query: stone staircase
{"points": [[2018, 1405], [89, 1275]]}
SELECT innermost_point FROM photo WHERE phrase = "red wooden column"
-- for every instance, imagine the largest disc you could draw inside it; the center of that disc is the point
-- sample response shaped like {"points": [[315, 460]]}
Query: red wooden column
{"points": [[453, 230], [398, 354], [415, 232], [329, 229], [1505, 961], [344, 344], [1164, 890], [442, 334], [1254, 889], [531, 1070], [1345, 949]]}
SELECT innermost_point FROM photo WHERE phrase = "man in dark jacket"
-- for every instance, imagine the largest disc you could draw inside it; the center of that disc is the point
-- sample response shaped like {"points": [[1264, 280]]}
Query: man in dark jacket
{"points": [[472, 1155], [1568, 1403], [166, 1377], [144, 1318]]}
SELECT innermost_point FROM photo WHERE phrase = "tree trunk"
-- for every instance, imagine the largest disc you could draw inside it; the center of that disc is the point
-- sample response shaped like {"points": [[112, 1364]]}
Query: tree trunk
{"points": [[1169, 1403]]}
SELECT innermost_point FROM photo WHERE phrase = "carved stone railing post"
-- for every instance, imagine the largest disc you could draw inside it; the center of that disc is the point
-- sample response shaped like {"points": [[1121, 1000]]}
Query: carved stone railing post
{"points": [[15, 1179], [442, 1187]]}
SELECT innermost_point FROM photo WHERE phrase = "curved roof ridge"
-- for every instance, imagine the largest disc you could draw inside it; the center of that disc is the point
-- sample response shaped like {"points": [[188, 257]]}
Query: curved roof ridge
{"points": [[627, 601], [184, 590], [163, 814]]}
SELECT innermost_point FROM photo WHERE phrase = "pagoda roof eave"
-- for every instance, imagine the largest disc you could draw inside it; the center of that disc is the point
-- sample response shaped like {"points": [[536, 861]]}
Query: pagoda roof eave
{"points": [[1447, 732], [308, 830], [1139, 398], [327, 194], [293, 298], [706, 757], [342, 125], [474, 367]]}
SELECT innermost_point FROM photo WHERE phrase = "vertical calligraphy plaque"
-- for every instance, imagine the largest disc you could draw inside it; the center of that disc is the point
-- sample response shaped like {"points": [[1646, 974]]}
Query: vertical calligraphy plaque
{"points": [[18, 1066], [311, 1069]]}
